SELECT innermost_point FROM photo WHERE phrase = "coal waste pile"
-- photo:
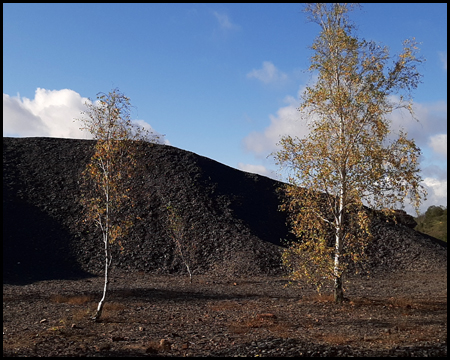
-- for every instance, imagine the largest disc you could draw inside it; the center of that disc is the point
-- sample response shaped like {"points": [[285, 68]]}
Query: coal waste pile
{"points": [[233, 225]]}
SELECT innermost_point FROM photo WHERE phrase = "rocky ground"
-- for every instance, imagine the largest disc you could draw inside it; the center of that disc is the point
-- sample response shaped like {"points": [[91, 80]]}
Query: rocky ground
{"points": [[400, 314]]}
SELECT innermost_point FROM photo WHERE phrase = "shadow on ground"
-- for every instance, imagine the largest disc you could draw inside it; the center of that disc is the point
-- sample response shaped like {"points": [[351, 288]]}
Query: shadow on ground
{"points": [[35, 246]]}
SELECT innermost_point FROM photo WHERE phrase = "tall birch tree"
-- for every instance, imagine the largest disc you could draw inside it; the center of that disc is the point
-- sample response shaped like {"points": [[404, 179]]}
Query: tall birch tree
{"points": [[350, 155], [108, 176]]}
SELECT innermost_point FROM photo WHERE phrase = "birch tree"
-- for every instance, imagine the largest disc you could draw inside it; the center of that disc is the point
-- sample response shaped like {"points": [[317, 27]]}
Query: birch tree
{"points": [[350, 156], [108, 176], [179, 228]]}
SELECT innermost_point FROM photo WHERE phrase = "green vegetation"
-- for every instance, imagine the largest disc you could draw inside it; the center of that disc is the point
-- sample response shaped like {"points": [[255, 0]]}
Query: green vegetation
{"points": [[433, 222]]}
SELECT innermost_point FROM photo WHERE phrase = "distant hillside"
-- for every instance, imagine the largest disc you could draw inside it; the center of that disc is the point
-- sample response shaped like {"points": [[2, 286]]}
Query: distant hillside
{"points": [[433, 222], [235, 223]]}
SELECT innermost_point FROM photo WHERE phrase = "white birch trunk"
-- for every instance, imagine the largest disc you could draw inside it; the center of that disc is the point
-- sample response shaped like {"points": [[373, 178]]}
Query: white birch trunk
{"points": [[108, 256], [108, 259], [338, 292]]}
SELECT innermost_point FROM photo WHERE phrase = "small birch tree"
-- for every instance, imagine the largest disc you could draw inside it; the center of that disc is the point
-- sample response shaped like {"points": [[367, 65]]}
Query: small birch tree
{"points": [[108, 177], [178, 229], [348, 156]]}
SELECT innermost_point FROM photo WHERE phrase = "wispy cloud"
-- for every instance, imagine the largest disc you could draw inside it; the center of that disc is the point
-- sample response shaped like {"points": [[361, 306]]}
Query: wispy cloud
{"points": [[225, 22], [268, 73], [439, 144]]}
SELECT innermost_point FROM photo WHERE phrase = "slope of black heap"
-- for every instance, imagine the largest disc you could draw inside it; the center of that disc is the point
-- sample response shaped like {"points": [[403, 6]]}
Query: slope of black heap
{"points": [[234, 226]]}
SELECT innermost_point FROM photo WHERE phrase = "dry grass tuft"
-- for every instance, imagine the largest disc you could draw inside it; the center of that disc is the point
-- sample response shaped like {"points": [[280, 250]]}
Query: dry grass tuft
{"points": [[82, 314], [335, 339], [244, 325], [110, 309], [24, 340], [113, 306], [362, 301], [73, 300], [267, 321], [399, 302], [320, 298]]}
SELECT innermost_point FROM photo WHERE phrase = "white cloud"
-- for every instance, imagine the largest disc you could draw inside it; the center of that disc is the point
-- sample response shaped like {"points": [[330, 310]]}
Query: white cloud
{"points": [[439, 187], [437, 193], [268, 73], [432, 120], [224, 22], [257, 169], [19, 120], [158, 137], [50, 114], [439, 143], [434, 171], [287, 121], [430, 134]]}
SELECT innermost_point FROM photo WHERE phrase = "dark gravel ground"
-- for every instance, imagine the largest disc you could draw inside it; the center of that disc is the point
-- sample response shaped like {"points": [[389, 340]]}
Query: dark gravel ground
{"points": [[401, 314], [234, 231]]}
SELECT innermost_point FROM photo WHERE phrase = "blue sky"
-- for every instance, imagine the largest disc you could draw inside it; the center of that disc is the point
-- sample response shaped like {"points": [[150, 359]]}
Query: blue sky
{"points": [[221, 80]]}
